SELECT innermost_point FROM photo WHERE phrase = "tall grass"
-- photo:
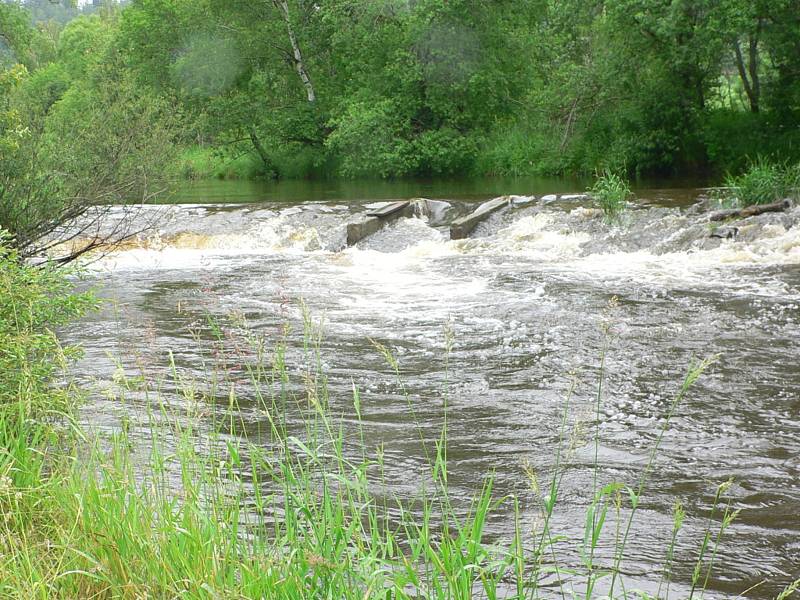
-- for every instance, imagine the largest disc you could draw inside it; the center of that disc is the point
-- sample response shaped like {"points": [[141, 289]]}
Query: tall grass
{"points": [[762, 182], [199, 162], [298, 512], [611, 192]]}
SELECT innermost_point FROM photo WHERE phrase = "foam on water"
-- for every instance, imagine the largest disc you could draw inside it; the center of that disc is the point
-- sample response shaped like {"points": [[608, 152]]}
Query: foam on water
{"points": [[537, 239], [523, 299], [574, 243], [188, 248], [400, 277]]}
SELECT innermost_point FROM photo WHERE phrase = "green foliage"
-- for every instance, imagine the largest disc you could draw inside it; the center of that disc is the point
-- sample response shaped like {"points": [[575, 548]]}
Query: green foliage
{"points": [[369, 138], [791, 179], [20, 42], [15, 35], [83, 44], [33, 302], [299, 161], [762, 183], [207, 66], [638, 84], [515, 152], [111, 140], [88, 149], [77, 133], [445, 151], [42, 89], [58, 12], [731, 136], [439, 87], [198, 162], [611, 192]]}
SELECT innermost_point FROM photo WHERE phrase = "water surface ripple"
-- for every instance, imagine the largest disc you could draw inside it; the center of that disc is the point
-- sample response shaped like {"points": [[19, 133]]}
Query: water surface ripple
{"points": [[525, 300]]}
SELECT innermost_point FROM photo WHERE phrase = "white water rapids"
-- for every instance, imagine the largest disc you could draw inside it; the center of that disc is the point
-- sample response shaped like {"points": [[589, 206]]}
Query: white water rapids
{"points": [[525, 298]]}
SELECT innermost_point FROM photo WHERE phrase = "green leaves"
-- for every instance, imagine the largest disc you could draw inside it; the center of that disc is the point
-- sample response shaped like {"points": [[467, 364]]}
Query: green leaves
{"points": [[611, 192], [437, 87], [33, 302], [763, 182]]}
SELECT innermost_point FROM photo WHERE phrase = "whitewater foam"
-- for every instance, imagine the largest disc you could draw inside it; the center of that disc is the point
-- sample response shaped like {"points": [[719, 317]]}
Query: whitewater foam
{"points": [[661, 247]]}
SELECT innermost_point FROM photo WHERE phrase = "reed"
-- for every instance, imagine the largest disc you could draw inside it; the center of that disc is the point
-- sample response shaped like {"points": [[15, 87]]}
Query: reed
{"points": [[611, 192]]}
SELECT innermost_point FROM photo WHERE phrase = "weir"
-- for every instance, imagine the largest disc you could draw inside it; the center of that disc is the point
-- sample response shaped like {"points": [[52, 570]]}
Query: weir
{"points": [[377, 219], [461, 228]]}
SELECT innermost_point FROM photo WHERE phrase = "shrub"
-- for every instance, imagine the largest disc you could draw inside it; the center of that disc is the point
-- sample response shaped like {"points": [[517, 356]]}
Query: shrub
{"points": [[611, 192], [370, 139], [511, 151], [94, 145], [763, 182], [33, 301], [730, 136], [444, 151]]}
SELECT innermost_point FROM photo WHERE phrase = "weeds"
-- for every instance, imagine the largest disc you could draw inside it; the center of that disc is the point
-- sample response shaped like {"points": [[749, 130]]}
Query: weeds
{"points": [[762, 183], [611, 192]]}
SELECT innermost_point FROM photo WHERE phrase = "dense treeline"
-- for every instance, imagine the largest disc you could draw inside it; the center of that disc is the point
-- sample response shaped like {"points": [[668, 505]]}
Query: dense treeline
{"points": [[76, 127], [390, 88]]}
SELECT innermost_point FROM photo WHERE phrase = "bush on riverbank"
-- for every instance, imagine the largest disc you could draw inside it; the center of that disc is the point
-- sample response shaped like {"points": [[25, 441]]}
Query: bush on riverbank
{"points": [[75, 134], [33, 302], [198, 162]]}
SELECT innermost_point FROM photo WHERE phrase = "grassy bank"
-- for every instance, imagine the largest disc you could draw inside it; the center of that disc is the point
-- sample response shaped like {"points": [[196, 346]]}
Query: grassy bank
{"points": [[199, 162], [763, 182], [193, 509], [241, 162]]}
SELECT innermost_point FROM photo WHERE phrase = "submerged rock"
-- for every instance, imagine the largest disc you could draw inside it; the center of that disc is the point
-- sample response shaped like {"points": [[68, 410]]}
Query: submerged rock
{"points": [[724, 233]]}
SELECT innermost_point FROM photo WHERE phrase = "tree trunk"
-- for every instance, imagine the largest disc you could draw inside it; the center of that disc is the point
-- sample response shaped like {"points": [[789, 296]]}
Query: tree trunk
{"points": [[262, 153], [299, 66], [749, 73], [750, 211], [755, 84]]}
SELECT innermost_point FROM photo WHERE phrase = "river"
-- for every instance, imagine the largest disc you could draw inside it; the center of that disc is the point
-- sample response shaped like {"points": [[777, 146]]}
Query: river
{"points": [[530, 300]]}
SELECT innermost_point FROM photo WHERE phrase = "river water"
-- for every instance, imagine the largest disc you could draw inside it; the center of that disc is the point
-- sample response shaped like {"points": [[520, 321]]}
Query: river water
{"points": [[529, 300]]}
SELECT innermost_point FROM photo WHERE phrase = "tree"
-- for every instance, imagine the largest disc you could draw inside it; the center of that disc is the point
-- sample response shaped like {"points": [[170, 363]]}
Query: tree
{"points": [[15, 36], [96, 141]]}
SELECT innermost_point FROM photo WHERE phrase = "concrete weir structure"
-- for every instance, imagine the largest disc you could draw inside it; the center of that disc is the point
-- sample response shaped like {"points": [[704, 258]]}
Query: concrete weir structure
{"points": [[461, 228], [376, 219]]}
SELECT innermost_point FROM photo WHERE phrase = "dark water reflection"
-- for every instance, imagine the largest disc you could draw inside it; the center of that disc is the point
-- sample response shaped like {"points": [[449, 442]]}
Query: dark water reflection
{"points": [[524, 328], [295, 191]]}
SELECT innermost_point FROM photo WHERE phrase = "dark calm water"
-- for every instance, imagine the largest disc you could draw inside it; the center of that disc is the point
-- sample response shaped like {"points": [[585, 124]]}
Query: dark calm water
{"points": [[525, 299], [292, 191]]}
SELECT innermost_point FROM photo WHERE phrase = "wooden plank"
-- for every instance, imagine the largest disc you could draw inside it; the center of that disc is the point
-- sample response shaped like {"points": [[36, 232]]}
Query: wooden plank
{"points": [[461, 228]]}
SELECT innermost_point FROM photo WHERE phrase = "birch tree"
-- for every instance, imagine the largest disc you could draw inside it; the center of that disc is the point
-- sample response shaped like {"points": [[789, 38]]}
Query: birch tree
{"points": [[297, 55]]}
